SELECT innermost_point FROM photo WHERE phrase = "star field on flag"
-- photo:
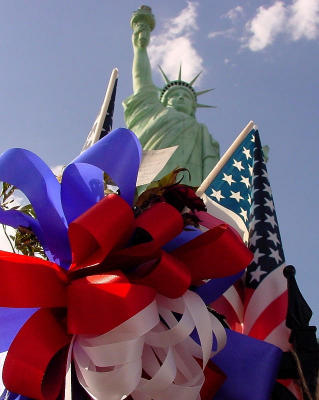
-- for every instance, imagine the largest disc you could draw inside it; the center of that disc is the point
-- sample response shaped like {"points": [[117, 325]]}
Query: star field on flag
{"points": [[243, 187]]}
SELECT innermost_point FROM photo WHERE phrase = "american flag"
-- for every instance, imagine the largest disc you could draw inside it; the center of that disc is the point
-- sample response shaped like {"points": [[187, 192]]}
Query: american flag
{"points": [[241, 195]]}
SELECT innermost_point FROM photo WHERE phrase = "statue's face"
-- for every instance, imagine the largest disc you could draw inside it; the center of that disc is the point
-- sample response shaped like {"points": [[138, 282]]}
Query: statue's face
{"points": [[142, 34], [181, 99]]}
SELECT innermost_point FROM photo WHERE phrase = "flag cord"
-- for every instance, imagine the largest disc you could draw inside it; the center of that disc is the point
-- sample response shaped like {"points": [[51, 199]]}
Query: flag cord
{"points": [[302, 377], [317, 388]]}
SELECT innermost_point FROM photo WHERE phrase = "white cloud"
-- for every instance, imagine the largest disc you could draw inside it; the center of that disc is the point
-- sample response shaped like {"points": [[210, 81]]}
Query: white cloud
{"points": [[174, 45], [266, 25], [185, 22], [297, 20], [304, 19], [234, 13], [225, 33]]}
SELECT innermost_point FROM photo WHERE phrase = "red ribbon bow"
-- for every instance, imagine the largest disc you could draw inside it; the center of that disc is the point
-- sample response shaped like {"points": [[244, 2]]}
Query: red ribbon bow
{"points": [[109, 282]]}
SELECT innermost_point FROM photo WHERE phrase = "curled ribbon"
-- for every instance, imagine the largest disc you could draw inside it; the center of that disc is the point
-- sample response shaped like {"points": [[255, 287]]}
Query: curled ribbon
{"points": [[111, 299]]}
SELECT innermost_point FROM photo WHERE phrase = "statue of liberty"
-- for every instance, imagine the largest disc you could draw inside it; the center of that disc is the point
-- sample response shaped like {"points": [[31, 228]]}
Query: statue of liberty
{"points": [[166, 117]]}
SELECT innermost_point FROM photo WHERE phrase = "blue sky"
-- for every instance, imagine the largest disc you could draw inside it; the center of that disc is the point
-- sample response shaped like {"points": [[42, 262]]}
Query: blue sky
{"points": [[261, 57]]}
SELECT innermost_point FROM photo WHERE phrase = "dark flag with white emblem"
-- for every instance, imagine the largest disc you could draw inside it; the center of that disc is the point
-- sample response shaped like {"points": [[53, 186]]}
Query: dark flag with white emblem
{"points": [[103, 123]]}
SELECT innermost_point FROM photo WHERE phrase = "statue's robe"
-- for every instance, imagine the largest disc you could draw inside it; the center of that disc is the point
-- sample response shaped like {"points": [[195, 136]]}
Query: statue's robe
{"points": [[158, 127]]}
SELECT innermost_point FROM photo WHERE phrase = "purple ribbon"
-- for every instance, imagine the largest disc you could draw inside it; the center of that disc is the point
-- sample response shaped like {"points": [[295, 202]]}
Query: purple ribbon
{"points": [[214, 288], [251, 367], [12, 320], [118, 154]]}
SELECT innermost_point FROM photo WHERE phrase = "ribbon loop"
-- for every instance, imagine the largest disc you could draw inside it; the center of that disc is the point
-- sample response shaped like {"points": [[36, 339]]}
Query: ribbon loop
{"points": [[119, 154], [29, 360], [169, 269], [214, 254], [162, 221], [113, 301], [105, 226], [36, 282]]}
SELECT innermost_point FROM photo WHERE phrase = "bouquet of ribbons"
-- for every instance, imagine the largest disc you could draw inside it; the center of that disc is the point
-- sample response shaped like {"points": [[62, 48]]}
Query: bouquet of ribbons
{"points": [[120, 303]]}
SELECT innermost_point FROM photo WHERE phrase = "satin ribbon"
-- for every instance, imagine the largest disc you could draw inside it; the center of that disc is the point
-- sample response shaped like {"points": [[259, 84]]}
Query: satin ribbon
{"points": [[251, 366], [99, 303]]}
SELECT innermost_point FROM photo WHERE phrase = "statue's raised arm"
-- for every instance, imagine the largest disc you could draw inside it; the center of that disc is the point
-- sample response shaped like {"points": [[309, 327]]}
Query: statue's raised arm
{"points": [[142, 23], [166, 117]]}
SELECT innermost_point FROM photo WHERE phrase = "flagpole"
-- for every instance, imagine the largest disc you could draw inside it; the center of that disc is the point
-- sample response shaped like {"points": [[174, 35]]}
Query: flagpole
{"points": [[218, 167]]}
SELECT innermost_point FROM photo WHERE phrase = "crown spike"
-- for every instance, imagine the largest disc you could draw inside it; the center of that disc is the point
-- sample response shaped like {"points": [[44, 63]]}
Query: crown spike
{"points": [[203, 91], [194, 79], [204, 106], [180, 73], [164, 75]]}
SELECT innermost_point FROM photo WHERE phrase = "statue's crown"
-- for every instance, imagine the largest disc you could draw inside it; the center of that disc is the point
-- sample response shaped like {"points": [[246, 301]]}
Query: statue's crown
{"points": [[184, 84]]}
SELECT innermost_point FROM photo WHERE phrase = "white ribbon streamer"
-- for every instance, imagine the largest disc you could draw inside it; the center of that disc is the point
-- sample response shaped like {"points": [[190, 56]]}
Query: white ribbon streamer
{"points": [[68, 383], [151, 355]]}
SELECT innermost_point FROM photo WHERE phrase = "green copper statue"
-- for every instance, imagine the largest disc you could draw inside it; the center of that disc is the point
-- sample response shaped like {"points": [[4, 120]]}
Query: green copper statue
{"points": [[166, 117]]}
